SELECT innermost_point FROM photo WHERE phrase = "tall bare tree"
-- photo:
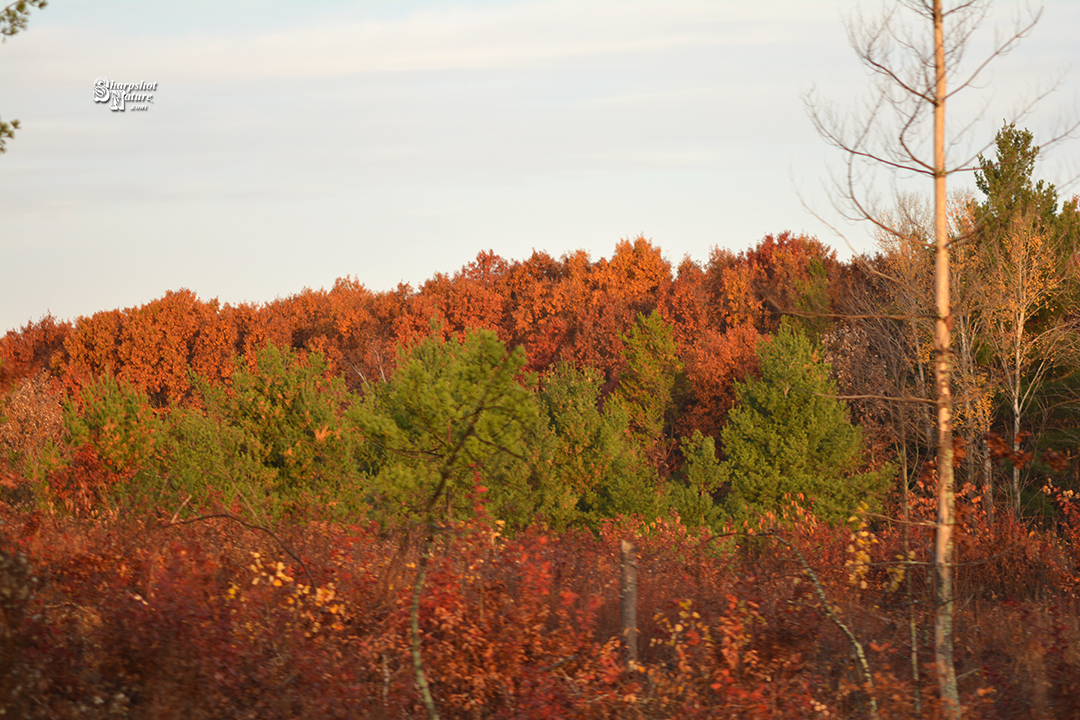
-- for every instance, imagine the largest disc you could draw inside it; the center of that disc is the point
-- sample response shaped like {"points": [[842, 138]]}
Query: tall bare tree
{"points": [[903, 130]]}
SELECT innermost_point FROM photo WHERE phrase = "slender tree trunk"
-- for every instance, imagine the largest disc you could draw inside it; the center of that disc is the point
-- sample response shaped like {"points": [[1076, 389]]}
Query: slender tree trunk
{"points": [[988, 482], [913, 623], [628, 603], [414, 626], [943, 547], [979, 469], [1016, 448]]}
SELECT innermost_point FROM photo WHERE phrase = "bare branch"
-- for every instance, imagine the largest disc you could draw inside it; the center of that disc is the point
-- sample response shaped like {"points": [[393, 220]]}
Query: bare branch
{"points": [[890, 398], [251, 526]]}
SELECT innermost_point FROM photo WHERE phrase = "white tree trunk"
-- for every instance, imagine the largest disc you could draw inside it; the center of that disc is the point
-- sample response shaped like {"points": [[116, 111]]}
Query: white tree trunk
{"points": [[943, 546]]}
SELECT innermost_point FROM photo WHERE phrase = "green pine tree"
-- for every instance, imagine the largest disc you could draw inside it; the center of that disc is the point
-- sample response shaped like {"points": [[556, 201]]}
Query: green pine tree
{"points": [[646, 384], [596, 469], [1006, 180], [692, 494], [273, 436], [451, 414], [785, 435]]}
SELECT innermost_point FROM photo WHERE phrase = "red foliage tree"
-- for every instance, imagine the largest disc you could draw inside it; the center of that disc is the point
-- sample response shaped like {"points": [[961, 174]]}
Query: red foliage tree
{"points": [[782, 274], [153, 346], [31, 349], [713, 365]]}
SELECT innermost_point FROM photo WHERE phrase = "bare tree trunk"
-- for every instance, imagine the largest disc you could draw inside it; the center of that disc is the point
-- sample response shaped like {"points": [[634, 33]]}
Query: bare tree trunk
{"points": [[912, 619], [1016, 448], [988, 481], [414, 626], [629, 603], [943, 547]]}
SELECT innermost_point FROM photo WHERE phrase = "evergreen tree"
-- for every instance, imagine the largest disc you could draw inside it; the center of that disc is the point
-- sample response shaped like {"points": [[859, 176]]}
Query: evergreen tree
{"points": [[597, 470], [274, 434], [1025, 292], [1006, 181], [785, 435], [117, 420], [647, 383], [453, 412], [701, 477]]}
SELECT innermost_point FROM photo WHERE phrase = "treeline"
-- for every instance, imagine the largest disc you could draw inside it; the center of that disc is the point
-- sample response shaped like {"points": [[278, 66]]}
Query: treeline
{"points": [[571, 310], [649, 357], [666, 362]]}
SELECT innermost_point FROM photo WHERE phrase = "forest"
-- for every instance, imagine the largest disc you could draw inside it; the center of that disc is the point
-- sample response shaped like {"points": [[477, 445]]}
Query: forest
{"points": [[391, 504]]}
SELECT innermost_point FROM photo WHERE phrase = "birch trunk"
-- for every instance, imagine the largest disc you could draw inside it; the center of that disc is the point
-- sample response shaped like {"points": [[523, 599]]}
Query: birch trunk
{"points": [[943, 546]]}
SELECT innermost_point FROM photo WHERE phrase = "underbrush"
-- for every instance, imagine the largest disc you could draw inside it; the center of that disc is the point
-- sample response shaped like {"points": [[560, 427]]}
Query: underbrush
{"points": [[128, 615]]}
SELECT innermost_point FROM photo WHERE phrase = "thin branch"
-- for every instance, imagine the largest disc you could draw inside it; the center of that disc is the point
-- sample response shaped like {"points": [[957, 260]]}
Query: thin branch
{"points": [[890, 398], [836, 621], [251, 526], [844, 316]]}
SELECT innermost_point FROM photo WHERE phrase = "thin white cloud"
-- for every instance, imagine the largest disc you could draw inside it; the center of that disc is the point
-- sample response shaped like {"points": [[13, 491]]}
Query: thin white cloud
{"points": [[512, 36]]}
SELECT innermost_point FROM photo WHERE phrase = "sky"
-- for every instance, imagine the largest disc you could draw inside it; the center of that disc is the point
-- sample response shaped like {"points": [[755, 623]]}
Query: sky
{"points": [[288, 145]]}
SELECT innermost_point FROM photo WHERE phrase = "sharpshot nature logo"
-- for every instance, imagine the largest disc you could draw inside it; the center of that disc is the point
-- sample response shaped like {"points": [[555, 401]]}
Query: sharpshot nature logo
{"points": [[124, 96]]}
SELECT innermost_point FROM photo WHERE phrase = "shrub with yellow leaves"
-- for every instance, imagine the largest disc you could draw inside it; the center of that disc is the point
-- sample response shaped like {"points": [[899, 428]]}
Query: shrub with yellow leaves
{"points": [[312, 609], [861, 540]]}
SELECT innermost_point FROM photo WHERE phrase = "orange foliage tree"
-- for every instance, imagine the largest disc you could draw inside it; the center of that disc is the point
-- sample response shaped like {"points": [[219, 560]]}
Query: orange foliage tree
{"points": [[31, 349], [153, 346]]}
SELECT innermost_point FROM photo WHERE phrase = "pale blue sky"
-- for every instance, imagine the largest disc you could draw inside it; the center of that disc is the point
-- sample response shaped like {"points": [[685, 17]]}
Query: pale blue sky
{"points": [[291, 144]]}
